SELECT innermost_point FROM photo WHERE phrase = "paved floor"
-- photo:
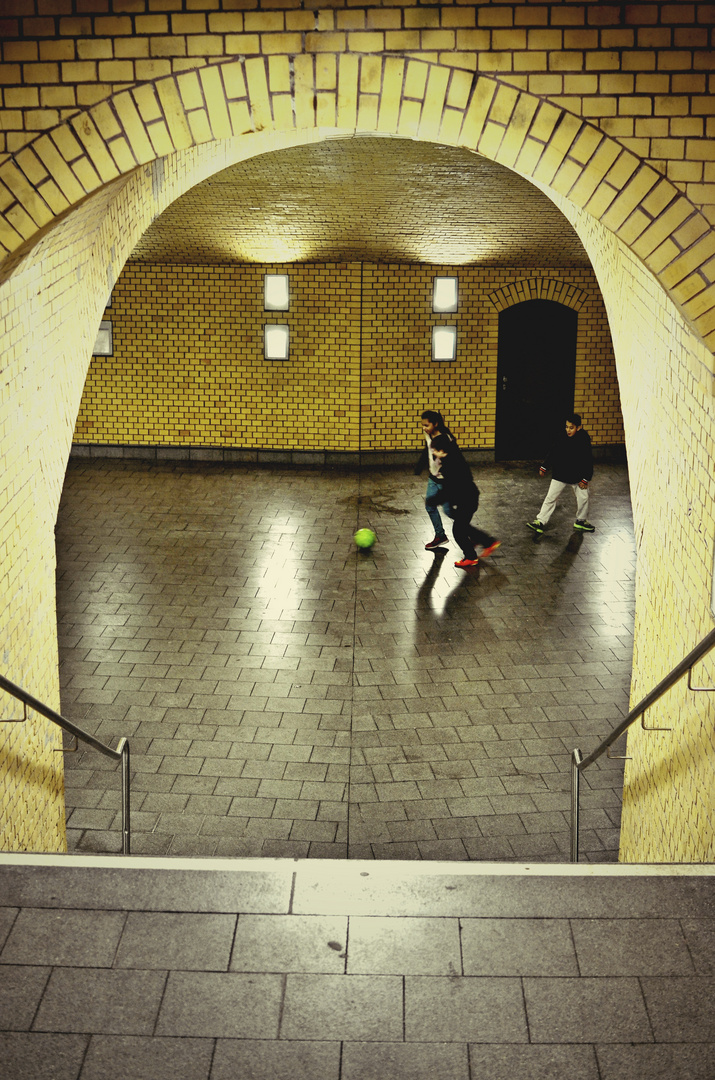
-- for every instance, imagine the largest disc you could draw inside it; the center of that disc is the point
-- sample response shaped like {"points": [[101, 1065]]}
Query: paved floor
{"points": [[285, 695], [313, 970]]}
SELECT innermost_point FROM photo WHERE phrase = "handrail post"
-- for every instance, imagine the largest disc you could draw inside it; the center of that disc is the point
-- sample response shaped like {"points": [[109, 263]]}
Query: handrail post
{"points": [[123, 749], [120, 754], [575, 778]]}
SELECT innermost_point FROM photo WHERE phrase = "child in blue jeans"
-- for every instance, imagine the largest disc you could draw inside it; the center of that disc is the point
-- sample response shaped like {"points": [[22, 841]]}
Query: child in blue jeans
{"points": [[433, 425], [460, 495]]}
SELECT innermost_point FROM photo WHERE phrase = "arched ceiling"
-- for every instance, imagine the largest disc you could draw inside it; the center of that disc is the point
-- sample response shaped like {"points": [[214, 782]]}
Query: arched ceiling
{"points": [[369, 199]]}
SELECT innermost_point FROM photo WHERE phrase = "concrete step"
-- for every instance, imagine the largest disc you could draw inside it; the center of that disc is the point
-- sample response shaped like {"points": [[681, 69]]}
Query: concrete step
{"points": [[191, 969]]}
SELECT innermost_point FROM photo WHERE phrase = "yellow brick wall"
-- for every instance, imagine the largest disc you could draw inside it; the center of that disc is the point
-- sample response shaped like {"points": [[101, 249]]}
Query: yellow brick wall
{"points": [[400, 380], [188, 367], [608, 104], [641, 72], [49, 309], [667, 378], [51, 303]]}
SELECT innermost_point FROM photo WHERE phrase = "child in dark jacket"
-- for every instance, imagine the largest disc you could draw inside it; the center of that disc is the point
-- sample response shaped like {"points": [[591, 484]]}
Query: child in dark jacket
{"points": [[571, 464], [458, 491]]}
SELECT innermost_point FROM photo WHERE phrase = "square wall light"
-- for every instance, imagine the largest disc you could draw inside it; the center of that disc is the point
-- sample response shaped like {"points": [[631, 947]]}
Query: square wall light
{"points": [[104, 345], [444, 342], [276, 341], [444, 294], [276, 292]]}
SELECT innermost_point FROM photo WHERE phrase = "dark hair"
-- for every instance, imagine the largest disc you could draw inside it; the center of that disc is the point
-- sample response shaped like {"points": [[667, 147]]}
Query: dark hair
{"points": [[574, 418], [442, 442], [437, 419]]}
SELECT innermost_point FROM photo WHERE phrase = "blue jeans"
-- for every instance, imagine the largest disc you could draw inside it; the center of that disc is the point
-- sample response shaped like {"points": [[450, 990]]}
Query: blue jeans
{"points": [[434, 515]]}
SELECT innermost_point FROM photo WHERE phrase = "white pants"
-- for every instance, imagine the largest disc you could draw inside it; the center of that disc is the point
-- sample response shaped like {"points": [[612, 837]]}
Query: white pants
{"points": [[552, 495]]}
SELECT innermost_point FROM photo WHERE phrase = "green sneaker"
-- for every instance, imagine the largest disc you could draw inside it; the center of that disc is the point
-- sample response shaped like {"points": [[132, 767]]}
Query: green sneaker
{"points": [[535, 525], [584, 526]]}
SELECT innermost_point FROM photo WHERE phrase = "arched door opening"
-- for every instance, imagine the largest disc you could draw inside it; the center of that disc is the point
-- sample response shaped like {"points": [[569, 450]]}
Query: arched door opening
{"points": [[535, 377]]}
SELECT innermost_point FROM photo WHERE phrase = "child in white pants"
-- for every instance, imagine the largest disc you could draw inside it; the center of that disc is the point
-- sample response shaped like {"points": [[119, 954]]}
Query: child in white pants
{"points": [[552, 495], [571, 462]]}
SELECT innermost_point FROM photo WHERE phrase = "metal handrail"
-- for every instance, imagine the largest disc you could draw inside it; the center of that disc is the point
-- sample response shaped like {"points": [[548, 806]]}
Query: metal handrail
{"points": [[120, 754], [578, 764]]}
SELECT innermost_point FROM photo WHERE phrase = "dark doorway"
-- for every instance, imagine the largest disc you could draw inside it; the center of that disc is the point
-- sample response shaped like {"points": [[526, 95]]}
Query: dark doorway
{"points": [[535, 377]]}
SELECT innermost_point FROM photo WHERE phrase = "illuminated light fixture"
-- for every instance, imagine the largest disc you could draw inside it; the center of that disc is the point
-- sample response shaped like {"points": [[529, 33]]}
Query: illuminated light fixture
{"points": [[275, 341], [276, 292], [444, 342], [444, 294], [104, 345]]}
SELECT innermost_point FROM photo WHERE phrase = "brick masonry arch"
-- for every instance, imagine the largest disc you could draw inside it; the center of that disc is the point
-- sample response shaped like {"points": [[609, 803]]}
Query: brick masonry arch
{"points": [[286, 98], [73, 202], [537, 288]]}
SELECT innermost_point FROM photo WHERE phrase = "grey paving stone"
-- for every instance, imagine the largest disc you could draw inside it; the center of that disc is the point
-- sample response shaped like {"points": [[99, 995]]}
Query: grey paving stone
{"points": [[221, 657], [443, 850], [21, 989], [549, 847], [700, 936], [203, 846], [385, 848], [136, 1058], [404, 947], [225, 1005], [100, 1001], [464, 1010], [674, 1062], [681, 1009], [358, 1008], [114, 889], [168, 940], [631, 947], [166, 801], [536, 1062], [38, 1056], [253, 1059], [8, 916], [404, 1061], [151, 844], [501, 825], [82, 818], [586, 1010], [184, 824], [517, 947], [290, 943], [76, 938]]}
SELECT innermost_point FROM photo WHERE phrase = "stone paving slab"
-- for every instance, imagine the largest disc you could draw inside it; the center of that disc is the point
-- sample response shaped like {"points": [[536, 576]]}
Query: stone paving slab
{"points": [[357, 969]]}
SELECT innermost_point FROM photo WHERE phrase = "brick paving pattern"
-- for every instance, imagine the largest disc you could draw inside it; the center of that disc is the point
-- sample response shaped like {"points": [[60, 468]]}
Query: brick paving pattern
{"points": [[287, 695]]}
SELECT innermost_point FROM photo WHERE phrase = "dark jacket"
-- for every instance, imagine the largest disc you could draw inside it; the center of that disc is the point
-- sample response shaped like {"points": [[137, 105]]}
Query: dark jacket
{"points": [[570, 458], [423, 461], [456, 486]]}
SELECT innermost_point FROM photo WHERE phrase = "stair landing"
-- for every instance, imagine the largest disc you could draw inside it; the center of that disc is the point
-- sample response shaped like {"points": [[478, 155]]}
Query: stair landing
{"points": [[334, 970]]}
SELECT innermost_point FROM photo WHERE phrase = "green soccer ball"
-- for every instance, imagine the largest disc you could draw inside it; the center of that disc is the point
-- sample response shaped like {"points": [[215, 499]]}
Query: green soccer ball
{"points": [[365, 538]]}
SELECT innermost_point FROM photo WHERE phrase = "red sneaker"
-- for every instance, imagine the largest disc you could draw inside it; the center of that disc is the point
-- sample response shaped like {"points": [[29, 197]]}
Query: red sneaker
{"points": [[466, 563], [437, 542], [491, 549]]}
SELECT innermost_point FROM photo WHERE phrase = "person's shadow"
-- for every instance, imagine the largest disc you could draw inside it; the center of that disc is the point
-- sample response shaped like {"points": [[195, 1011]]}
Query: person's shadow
{"points": [[565, 560], [460, 602]]}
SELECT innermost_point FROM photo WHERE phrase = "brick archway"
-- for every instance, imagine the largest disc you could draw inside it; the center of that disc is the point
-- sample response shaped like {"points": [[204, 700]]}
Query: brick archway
{"points": [[538, 288], [87, 189], [270, 103]]}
